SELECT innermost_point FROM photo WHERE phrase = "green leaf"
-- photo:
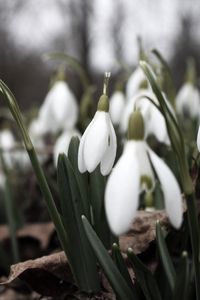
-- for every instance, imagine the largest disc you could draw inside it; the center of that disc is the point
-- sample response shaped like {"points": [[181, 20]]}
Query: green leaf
{"points": [[114, 276], [80, 254], [165, 257], [171, 123], [168, 80], [82, 179], [144, 277], [97, 189], [121, 264], [183, 279]]}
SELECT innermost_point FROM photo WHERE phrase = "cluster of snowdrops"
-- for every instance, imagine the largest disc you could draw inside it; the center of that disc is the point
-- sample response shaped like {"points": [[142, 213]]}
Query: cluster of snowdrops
{"points": [[132, 115]]}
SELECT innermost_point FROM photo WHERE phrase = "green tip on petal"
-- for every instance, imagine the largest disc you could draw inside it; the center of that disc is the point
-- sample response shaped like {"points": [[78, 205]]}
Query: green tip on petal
{"points": [[191, 75], [103, 104], [136, 126]]}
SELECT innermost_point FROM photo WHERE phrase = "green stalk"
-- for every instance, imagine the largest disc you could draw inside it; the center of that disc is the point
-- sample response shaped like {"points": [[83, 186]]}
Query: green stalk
{"points": [[10, 211], [194, 235], [11, 221], [52, 209]]}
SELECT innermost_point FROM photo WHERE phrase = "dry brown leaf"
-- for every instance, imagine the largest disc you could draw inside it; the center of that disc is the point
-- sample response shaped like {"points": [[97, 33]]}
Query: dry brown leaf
{"points": [[142, 231], [48, 275], [51, 276], [41, 232]]}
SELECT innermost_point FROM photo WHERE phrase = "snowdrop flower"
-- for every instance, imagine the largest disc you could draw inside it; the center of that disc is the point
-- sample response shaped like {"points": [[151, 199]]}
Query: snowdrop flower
{"points": [[98, 143], [188, 101], [12, 154], [59, 111], [153, 118], [117, 102], [136, 81], [198, 139], [7, 143], [132, 174], [62, 143]]}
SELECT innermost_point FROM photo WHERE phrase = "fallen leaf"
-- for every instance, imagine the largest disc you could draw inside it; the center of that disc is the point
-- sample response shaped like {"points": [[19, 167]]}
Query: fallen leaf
{"points": [[41, 232], [142, 232], [49, 275]]}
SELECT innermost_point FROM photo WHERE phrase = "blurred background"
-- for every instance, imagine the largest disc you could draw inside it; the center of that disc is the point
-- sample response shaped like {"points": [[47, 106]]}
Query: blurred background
{"points": [[101, 34]]}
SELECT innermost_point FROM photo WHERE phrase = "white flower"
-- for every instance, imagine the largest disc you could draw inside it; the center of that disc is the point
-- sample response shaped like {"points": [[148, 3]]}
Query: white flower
{"points": [[59, 111], [188, 101], [126, 182], [153, 118], [62, 143], [198, 139], [12, 154], [7, 143], [117, 103], [135, 81], [98, 145]]}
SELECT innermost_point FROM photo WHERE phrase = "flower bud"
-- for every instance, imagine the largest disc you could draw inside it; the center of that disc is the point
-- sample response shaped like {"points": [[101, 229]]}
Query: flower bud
{"points": [[136, 126]]}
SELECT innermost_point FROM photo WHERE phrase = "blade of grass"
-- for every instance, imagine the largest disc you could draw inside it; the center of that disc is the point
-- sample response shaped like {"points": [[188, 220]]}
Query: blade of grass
{"points": [[182, 281], [80, 254], [115, 278], [144, 277], [10, 211], [121, 264], [82, 179], [97, 188], [165, 257]]}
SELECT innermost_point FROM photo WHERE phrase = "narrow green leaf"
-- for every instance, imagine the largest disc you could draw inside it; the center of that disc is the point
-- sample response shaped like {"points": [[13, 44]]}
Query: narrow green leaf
{"points": [[82, 179], [165, 257], [121, 264], [144, 277], [115, 278], [80, 254], [182, 280], [171, 123], [169, 83], [97, 189]]}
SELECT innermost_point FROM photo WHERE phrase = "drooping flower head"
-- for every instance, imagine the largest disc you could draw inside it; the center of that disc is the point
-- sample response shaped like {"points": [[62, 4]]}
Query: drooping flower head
{"points": [[117, 104], [98, 143], [152, 116], [132, 174], [59, 111], [188, 97]]}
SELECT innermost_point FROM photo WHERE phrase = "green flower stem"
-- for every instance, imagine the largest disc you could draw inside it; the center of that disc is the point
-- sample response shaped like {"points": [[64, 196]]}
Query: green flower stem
{"points": [[194, 236], [10, 211], [53, 212], [11, 221]]}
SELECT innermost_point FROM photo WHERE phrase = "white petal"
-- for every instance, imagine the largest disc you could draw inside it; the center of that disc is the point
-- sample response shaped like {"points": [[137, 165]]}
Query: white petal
{"points": [[157, 126], [145, 169], [134, 82], [96, 141], [122, 192], [110, 154], [81, 162], [59, 109], [198, 139], [170, 188], [188, 100], [117, 104]]}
